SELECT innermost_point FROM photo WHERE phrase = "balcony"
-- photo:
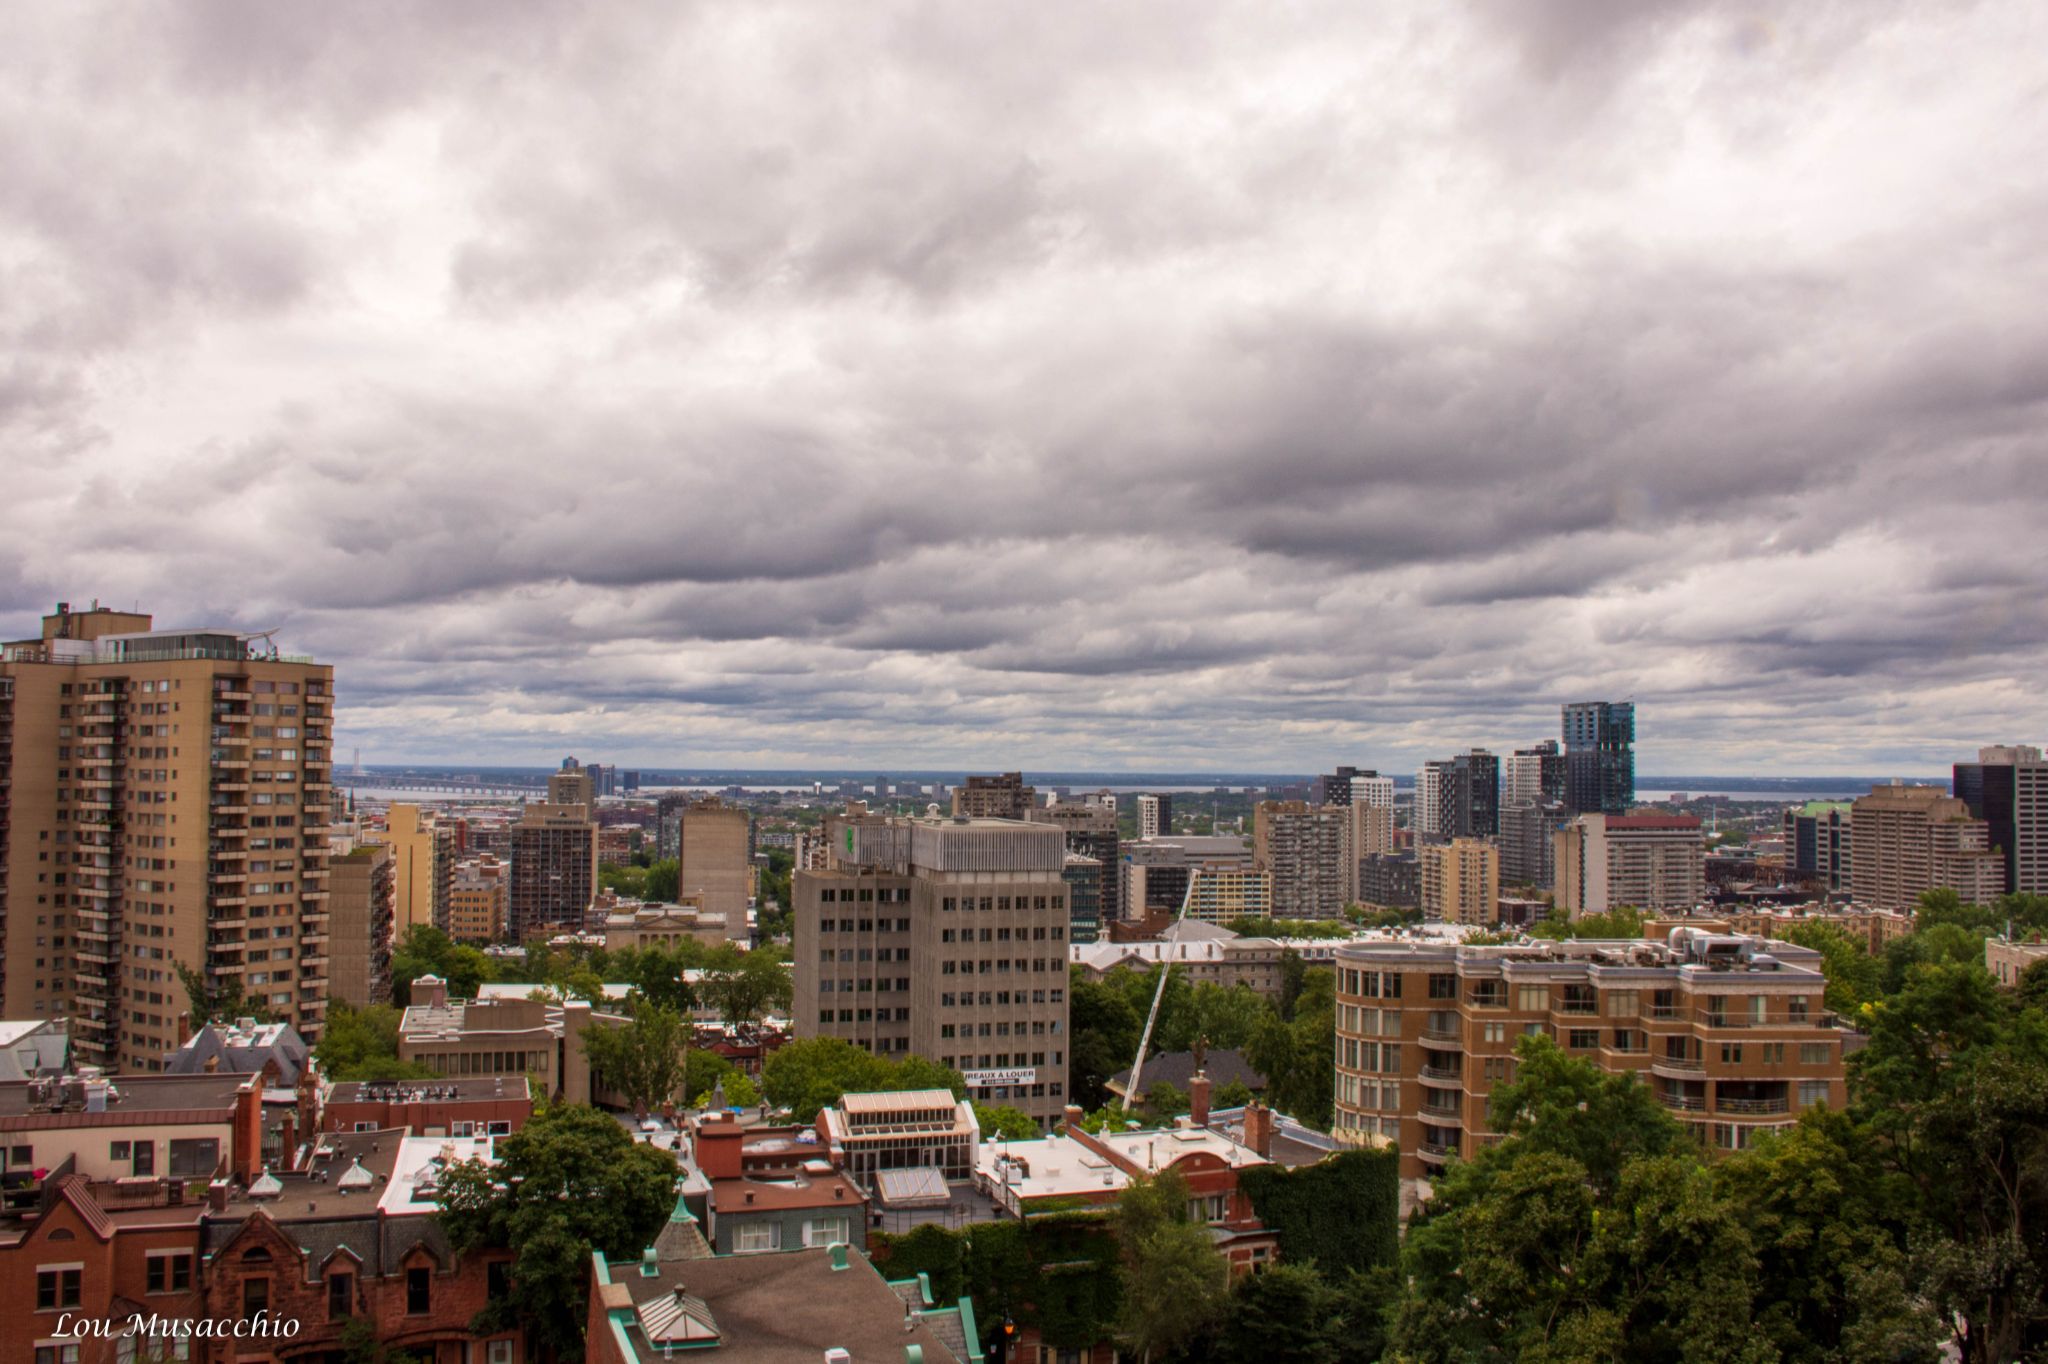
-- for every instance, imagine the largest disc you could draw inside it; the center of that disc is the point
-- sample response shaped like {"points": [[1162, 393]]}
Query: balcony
{"points": [[1663, 1012], [1452, 1113], [1446, 1041], [1685, 1103], [1680, 1067], [1436, 1152], [1751, 1107], [1442, 1075]]}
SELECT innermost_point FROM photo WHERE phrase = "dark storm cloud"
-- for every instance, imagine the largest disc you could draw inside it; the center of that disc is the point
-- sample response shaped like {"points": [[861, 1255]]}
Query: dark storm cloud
{"points": [[1225, 385]]}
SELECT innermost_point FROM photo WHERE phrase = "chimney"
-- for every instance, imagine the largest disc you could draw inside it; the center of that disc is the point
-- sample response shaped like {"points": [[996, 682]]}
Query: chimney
{"points": [[1072, 1116], [1258, 1128], [185, 1028], [246, 1152], [719, 1143], [1198, 1099], [217, 1196]]}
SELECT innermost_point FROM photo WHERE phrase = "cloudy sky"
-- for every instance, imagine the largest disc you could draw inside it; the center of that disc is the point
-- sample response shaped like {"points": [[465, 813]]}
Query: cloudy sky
{"points": [[1147, 385]]}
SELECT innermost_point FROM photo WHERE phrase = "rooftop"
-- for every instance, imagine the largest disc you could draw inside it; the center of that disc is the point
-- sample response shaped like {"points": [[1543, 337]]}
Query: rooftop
{"points": [[468, 1089]]}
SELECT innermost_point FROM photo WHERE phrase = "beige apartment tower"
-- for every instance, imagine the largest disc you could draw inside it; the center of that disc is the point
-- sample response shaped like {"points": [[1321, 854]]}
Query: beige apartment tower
{"points": [[1305, 848], [164, 801], [714, 862], [942, 938], [1912, 839], [1460, 881], [364, 890], [476, 900], [423, 866], [572, 786], [1652, 862]]}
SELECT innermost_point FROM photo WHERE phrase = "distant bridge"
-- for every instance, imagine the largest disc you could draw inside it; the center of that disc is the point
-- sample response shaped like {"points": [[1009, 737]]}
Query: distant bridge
{"points": [[444, 786]]}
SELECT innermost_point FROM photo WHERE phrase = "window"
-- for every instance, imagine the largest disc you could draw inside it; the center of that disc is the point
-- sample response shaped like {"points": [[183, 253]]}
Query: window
{"points": [[255, 1296], [500, 1352], [57, 1288], [341, 1296], [1731, 1053], [1582, 1039], [751, 1237], [1813, 1093], [419, 1286], [169, 1273], [1814, 1053], [56, 1354], [194, 1157], [144, 1158], [1532, 999], [825, 1231]]}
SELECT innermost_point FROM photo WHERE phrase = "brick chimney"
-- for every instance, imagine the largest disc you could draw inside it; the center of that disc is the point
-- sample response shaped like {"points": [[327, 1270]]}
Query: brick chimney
{"points": [[1198, 1099], [1073, 1116], [1258, 1128], [246, 1155], [719, 1143]]}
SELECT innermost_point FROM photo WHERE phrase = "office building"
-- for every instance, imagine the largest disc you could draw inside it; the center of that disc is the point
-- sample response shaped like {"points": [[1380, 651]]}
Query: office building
{"points": [[668, 825], [1458, 797], [2007, 788], [1090, 830], [1303, 846], [164, 801], [362, 911], [1728, 1032], [1535, 774], [1818, 848], [1085, 878], [1600, 757], [944, 938], [573, 786], [1912, 839], [1155, 873], [1223, 894], [635, 925], [1155, 816], [554, 870], [1460, 881], [999, 797], [462, 1038], [1334, 788], [423, 866], [715, 861], [1528, 838], [476, 900], [1648, 862], [1373, 789]]}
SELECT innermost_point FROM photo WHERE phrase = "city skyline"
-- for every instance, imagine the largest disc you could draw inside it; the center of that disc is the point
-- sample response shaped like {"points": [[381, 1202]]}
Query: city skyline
{"points": [[1214, 387]]}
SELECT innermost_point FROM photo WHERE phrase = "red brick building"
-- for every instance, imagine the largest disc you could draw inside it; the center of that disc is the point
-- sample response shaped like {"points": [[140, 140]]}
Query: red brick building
{"points": [[477, 1106]]}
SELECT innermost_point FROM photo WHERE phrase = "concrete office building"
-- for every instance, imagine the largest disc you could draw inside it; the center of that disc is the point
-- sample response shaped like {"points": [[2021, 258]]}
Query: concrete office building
{"points": [[999, 797], [1600, 757], [164, 801], [423, 865], [1086, 878], [1155, 873], [1220, 895], [1728, 1032], [1155, 816], [1911, 839], [946, 938], [1649, 862], [2007, 788], [1460, 881], [1090, 830], [715, 860], [362, 913], [1303, 847], [554, 870], [1818, 846]]}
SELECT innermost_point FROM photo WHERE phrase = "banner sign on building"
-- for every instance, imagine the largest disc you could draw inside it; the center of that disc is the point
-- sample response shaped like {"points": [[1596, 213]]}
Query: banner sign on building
{"points": [[994, 1079]]}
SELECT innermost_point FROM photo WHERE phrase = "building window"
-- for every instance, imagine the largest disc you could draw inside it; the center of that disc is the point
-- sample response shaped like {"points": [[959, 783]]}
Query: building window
{"points": [[500, 1352], [341, 1296], [169, 1273], [1813, 1053], [825, 1231], [255, 1296], [1813, 1093], [194, 1157], [57, 1289], [419, 1285], [752, 1237], [56, 1354]]}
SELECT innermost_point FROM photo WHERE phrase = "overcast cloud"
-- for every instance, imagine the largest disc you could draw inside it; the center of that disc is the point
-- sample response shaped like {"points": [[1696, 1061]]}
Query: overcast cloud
{"points": [[1132, 386]]}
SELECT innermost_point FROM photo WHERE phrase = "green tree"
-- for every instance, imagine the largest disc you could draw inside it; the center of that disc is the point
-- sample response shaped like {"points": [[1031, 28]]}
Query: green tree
{"points": [[1174, 1283], [1299, 1058], [644, 1059], [814, 1072], [663, 881], [1854, 976], [743, 986], [1002, 1122], [1164, 1101], [362, 1044], [1226, 1016], [220, 1001], [1103, 1028], [1560, 1103], [569, 1182], [1290, 1312]]}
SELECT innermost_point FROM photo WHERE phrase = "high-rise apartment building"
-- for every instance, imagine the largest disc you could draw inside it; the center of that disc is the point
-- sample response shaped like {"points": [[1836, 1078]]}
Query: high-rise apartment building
{"points": [[1373, 789], [476, 900], [1728, 1032], [573, 786], [1535, 775], [1818, 847], [1912, 839], [554, 869], [1528, 836], [1460, 881], [1428, 818], [1303, 846], [423, 866], [1334, 788], [999, 797], [363, 886], [1091, 831], [1156, 873], [2007, 788], [1086, 878], [1600, 757], [164, 802], [1650, 862], [944, 938], [1459, 797], [1155, 816], [715, 860]]}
